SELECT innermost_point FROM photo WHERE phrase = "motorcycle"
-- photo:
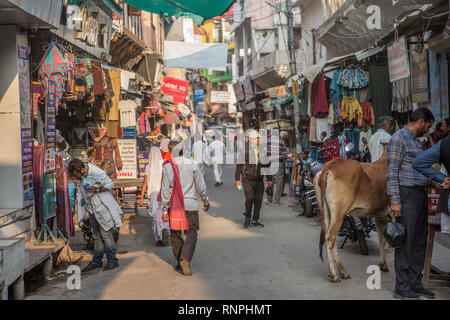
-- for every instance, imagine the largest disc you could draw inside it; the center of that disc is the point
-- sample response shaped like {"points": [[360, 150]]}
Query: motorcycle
{"points": [[309, 169], [353, 228]]}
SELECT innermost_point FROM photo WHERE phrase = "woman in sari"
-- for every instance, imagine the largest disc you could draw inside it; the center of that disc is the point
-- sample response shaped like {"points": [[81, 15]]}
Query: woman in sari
{"points": [[152, 183]]}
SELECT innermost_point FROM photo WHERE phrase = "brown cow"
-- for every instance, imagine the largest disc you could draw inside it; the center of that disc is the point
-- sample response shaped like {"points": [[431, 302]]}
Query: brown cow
{"points": [[359, 189]]}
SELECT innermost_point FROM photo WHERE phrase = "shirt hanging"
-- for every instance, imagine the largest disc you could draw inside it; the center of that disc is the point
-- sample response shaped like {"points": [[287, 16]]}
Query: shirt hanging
{"points": [[401, 96], [127, 110], [321, 107]]}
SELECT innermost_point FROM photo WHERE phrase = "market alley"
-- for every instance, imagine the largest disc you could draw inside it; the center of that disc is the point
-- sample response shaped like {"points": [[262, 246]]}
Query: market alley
{"points": [[279, 261]]}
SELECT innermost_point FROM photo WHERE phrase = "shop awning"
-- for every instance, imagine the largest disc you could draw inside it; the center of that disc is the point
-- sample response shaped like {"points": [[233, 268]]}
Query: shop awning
{"points": [[179, 54], [114, 6], [31, 13], [198, 10], [347, 30]]}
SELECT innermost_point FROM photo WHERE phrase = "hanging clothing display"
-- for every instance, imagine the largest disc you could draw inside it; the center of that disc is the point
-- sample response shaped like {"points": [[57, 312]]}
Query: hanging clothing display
{"points": [[401, 96], [313, 130], [321, 107], [368, 115], [353, 78], [115, 83], [63, 208], [38, 182], [380, 93], [350, 108], [106, 153], [322, 126], [127, 110], [330, 154], [342, 143], [438, 80]]}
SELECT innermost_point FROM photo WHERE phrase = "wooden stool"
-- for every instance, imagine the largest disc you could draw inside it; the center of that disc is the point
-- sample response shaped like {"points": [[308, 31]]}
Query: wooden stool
{"points": [[432, 276]]}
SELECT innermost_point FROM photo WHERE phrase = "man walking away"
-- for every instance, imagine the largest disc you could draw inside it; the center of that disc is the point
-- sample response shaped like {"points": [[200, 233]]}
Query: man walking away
{"points": [[182, 175], [440, 153], [407, 189], [104, 212], [252, 180], [216, 151], [276, 147], [379, 141], [201, 154]]}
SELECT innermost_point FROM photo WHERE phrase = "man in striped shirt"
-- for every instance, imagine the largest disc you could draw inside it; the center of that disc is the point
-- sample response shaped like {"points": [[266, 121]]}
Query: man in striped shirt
{"points": [[276, 149]]}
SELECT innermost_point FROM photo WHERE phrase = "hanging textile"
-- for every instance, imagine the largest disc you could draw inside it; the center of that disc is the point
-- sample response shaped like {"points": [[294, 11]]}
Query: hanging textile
{"points": [[321, 107], [331, 154], [342, 143], [63, 207], [97, 77], [380, 92], [54, 67], [353, 79], [401, 95], [438, 85], [368, 115], [322, 126], [38, 182], [351, 108], [313, 130]]}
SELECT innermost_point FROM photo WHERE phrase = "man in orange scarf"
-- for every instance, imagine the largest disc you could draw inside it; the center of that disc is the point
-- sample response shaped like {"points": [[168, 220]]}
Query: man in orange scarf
{"points": [[181, 180]]}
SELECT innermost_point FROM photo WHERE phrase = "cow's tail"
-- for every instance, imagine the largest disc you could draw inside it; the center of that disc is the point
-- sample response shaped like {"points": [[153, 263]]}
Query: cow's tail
{"points": [[324, 209]]}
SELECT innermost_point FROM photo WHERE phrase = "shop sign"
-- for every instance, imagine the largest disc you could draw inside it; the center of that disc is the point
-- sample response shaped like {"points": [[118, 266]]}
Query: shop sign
{"points": [[50, 126], [220, 97], [419, 75], [398, 60], [25, 117], [128, 154], [129, 133], [199, 95], [87, 27], [176, 88], [277, 91], [238, 91], [143, 161]]}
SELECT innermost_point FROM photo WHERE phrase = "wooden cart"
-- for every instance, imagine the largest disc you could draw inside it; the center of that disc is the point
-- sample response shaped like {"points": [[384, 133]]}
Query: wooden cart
{"points": [[128, 200]]}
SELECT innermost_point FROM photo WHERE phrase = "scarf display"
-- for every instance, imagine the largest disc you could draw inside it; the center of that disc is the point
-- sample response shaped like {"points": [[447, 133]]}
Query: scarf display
{"points": [[177, 213]]}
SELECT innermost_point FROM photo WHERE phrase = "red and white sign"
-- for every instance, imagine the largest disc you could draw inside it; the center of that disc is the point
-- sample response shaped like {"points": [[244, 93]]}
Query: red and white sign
{"points": [[398, 60], [176, 88]]}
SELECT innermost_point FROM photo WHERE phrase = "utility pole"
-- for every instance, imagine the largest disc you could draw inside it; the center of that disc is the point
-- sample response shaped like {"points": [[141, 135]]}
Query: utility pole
{"points": [[293, 68]]}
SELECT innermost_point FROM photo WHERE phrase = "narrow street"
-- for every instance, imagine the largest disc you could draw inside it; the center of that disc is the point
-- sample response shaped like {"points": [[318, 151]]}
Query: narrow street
{"points": [[280, 261]]}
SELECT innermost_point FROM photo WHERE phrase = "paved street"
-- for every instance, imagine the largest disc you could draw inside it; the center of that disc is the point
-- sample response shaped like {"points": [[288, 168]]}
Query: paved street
{"points": [[279, 261]]}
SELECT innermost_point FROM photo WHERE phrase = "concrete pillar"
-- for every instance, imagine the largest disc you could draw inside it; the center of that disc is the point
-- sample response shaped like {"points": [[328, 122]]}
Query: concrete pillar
{"points": [[18, 289]]}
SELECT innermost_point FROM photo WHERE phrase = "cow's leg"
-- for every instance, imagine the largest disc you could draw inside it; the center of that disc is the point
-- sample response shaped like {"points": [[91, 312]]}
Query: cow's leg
{"points": [[342, 271], [333, 257], [380, 225]]}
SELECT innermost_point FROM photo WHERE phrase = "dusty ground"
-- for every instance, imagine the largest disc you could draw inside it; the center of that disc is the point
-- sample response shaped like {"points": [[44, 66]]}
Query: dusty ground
{"points": [[279, 261]]}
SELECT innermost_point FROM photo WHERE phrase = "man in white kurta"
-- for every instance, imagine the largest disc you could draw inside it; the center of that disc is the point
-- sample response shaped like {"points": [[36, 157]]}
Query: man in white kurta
{"points": [[216, 150], [379, 141]]}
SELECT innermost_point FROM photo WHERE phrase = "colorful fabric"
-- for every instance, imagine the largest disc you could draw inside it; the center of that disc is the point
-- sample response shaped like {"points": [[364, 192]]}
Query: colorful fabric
{"points": [[321, 107], [368, 115], [331, 154], [353, 79], [350, 108], [54, 67]]}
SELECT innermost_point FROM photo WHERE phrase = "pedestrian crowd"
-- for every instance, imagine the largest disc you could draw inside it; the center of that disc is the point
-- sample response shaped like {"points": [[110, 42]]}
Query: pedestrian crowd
{"points": [[174, 181]]}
